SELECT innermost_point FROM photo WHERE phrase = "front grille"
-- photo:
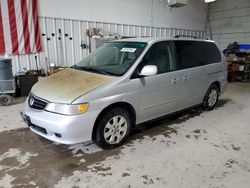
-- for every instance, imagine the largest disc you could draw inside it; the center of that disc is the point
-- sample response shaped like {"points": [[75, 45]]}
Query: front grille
{"points": [[36, 103]]}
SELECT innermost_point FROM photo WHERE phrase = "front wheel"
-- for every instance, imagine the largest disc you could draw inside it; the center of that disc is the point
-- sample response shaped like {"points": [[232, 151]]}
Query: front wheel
{"points": [[113, 128], [211, 98]]}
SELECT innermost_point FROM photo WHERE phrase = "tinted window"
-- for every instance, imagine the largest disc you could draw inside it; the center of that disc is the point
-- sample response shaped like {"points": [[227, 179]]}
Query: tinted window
{"points": [[213, 55], [161, 54], [190, 53]]}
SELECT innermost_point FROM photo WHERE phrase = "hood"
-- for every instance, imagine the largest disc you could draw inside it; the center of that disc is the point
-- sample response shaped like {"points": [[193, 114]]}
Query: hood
{"points": [[69, 84]]}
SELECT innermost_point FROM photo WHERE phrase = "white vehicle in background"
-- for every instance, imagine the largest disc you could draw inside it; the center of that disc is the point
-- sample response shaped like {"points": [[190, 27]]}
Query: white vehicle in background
{"points": [[124, 83]]}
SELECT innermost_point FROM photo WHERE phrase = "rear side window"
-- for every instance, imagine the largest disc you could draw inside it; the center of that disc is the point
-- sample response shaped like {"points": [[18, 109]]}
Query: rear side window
{"points": [[213, 54], [190, 53], [196, 53]]}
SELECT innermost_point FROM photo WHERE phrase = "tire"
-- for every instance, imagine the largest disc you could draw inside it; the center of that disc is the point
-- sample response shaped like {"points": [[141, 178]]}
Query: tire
{"points": [[211, 98], [113, 128], [6, 100]]}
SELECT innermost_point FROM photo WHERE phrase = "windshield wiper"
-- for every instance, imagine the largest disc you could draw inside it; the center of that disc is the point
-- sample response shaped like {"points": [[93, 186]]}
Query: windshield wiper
{"points": [[90, 69]]}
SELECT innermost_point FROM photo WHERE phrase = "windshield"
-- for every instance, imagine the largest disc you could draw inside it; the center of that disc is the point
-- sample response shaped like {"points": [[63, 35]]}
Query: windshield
{"points": [[113, 58]]}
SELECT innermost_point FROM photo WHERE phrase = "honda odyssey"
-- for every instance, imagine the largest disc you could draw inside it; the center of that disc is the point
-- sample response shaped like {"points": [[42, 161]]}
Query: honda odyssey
{"points": [[124, 83]]}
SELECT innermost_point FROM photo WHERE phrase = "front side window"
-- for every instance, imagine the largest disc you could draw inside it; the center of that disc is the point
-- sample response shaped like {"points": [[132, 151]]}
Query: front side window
{"points": [[113, 58], [161, 55]]}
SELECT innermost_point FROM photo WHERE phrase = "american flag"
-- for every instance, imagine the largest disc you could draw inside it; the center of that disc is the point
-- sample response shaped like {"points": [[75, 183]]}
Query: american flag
{"points": [[19, 29]]}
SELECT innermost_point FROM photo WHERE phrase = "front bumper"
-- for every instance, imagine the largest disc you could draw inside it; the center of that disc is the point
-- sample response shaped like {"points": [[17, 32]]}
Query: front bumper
{"points": [[60, 128]]}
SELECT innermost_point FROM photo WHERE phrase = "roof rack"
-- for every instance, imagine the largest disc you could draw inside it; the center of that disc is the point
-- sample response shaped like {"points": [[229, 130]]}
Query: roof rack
{"points": [[190, 36], [185, 36]]}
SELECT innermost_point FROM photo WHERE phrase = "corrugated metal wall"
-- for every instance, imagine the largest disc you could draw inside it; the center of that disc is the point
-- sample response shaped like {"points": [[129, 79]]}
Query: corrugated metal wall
{"points": [[62, 40], [230, 21]]}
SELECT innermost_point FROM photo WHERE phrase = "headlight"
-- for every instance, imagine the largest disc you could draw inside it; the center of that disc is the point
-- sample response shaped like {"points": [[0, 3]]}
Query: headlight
{"points": [[67, 109]]}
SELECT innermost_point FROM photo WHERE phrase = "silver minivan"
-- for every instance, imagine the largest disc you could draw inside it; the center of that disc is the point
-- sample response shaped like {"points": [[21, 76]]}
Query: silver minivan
{"points": [[124, 83]]}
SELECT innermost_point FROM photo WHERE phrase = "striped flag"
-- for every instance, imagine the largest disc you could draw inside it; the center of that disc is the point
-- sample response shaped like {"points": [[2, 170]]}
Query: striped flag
{"points": [[19, 29]]}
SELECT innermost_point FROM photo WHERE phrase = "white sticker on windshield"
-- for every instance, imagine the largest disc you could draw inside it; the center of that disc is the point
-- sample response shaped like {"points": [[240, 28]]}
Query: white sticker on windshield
{"points": [[128, 49]]}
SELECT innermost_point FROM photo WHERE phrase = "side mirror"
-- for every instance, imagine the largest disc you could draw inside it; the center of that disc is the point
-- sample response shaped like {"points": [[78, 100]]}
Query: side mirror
{"points": [[148, 70]]}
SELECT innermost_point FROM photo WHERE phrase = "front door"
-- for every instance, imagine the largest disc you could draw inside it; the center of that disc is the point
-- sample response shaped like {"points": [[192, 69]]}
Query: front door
{"points": [[159, 94]]}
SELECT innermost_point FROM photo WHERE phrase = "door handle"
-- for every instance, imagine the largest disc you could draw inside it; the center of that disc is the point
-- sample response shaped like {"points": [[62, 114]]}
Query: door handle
{"points": [[174, 80], [186, 77]]}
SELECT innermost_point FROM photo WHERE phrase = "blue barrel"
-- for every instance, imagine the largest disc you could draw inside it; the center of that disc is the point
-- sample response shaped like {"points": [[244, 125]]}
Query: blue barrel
{"points": [[6, 74]]}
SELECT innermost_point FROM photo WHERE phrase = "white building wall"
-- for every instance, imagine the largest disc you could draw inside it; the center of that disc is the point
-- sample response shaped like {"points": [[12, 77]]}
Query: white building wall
{"points": [[125, 17], [67, 51], [230, 21], [136, 12]]}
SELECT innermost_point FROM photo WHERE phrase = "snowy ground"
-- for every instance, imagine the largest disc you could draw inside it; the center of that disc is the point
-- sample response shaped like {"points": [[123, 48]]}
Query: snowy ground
{"points": [[195, 149]]}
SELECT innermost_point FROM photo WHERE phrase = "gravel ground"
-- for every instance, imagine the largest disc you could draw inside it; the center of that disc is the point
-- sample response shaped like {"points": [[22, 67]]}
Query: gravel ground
{"points": [[191, 149]]}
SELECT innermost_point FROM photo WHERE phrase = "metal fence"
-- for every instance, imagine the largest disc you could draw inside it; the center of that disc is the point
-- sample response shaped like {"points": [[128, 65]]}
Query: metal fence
{"points": [[63, 40]]}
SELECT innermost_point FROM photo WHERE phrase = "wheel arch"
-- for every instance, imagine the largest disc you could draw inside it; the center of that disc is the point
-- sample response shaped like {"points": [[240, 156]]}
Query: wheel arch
{"points": [[217, 83], [127, 106]]}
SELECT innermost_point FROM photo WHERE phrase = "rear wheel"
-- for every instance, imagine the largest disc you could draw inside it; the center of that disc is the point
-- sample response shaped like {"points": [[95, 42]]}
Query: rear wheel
{"points": [[113, 128], [6, 100], [211, 98]]}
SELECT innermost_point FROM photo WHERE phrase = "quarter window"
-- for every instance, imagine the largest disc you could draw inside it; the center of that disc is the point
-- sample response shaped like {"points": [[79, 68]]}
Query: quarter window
{"points": [[213, 54]]}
